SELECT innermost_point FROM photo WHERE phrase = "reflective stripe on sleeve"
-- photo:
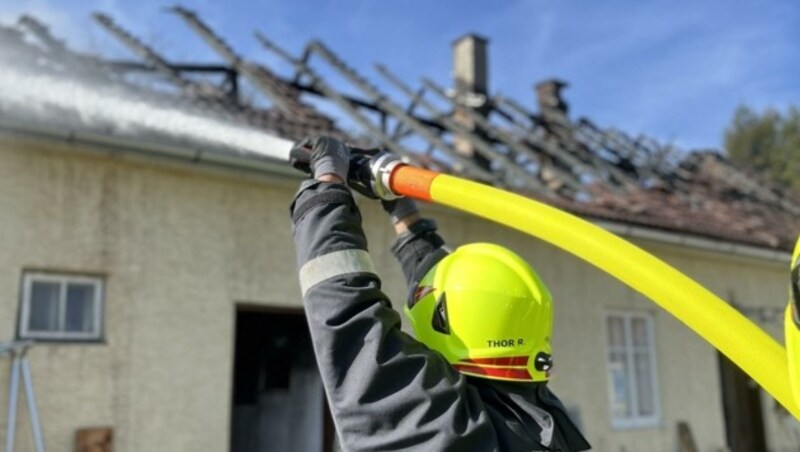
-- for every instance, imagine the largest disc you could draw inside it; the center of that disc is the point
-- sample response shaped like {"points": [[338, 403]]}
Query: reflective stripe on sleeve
{"points": [[334, 264]]}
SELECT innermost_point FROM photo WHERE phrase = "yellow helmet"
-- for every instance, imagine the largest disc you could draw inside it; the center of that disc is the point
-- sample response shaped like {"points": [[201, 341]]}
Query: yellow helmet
{"points": [[487, 312]]}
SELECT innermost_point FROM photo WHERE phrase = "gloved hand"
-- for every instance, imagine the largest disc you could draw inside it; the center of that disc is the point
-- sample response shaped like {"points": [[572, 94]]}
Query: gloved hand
{"points": [[399, 208], [360, 177], [321, 155], [369, 172]]}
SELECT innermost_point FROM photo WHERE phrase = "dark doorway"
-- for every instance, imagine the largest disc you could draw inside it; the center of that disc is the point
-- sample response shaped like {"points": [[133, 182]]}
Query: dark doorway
{"points": [[741, 402], [278, 400]]}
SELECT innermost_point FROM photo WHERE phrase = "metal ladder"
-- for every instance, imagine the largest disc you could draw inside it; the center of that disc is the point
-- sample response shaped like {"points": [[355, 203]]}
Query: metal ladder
{"points": [[19, 365]]}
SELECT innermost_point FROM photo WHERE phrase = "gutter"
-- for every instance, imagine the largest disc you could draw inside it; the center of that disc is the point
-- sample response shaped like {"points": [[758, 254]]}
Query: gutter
{"points": [[695, 242]]}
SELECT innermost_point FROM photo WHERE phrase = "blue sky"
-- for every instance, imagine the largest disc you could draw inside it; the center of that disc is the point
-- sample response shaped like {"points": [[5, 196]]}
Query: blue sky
{"points": [[674, 70]]}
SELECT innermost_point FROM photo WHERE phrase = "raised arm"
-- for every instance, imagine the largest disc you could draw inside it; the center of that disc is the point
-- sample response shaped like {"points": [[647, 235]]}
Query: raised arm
{"points": [[418, 246]]}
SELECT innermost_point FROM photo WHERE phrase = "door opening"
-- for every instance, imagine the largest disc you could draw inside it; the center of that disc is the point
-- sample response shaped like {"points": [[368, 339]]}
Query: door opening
{"points": [[278, 400], [741, 403]]}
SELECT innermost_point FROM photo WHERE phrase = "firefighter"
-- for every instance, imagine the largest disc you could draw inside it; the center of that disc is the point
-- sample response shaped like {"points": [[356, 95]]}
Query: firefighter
{"points": [[473, 379]]}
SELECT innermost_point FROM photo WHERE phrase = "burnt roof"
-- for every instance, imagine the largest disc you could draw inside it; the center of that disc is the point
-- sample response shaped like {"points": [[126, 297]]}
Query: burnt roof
{"points": [[590, 170]]}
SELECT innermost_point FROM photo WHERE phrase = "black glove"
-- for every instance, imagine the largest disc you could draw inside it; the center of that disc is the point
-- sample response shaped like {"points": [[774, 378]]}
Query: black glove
{"points": [[321, 155], [399, 208], [369, 171]]}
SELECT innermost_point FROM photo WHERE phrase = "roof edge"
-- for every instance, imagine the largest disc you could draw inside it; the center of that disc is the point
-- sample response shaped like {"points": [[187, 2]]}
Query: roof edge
{"points": [[694, 241], [194, 155]]}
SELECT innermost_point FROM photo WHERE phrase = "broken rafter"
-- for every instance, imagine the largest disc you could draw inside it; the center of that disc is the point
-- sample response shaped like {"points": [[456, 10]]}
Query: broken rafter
{"points": [[555, 146], [395, 110], [356, 102], [337, 98], [276, 90], [42, 33], [512, 167], [142, 50], [172, 72], [566, 153], [56, 51], [605, 140], [501, 136], [399, 130], [486, 148], [25, 53], [570, 152]]}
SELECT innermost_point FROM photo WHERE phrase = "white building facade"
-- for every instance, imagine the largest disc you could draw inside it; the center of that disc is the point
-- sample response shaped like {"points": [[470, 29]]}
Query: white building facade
{"points": [[163, 298]]}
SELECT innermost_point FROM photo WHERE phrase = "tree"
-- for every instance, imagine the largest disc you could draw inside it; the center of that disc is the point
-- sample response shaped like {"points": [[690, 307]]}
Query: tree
{"points": [[768, 143]]}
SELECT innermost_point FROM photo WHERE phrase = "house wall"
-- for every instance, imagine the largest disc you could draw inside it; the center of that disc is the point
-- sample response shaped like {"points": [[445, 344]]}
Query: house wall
{"points": [[180, 246]]}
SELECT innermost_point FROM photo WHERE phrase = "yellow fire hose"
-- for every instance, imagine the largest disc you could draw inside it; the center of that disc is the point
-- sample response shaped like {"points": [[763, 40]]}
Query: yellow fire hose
{"points": [[744, 343]]}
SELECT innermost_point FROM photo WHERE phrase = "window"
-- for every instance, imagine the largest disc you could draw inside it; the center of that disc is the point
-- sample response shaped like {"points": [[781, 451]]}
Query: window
{"points": [[631, 364], [61, 307]]}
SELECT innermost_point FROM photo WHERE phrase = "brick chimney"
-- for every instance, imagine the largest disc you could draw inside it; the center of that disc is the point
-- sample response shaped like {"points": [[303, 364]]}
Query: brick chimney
{"points": [[553, 110], [551, 104], [471, 78]]}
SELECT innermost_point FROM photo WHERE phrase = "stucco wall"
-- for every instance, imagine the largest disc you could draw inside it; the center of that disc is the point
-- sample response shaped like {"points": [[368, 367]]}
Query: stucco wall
{"points": [[177, 249], [180, 246]]}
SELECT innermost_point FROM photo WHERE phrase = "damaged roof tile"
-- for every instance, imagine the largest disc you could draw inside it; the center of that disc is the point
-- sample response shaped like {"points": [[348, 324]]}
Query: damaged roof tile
{"points": [[594, 172]]}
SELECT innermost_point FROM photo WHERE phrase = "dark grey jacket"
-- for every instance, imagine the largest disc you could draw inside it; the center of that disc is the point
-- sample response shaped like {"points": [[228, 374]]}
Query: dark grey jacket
{"points": [[386, 390]]}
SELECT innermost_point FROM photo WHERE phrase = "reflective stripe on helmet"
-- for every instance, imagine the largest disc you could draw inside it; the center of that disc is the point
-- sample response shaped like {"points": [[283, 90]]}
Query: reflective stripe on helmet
{"points": [[503, 373], [334, 264], [502, 361], [506, 368]]}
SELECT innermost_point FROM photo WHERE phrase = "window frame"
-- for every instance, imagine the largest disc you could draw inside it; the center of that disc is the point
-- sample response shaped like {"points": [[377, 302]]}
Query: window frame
{"points": [[635, 420], [63, 280]]}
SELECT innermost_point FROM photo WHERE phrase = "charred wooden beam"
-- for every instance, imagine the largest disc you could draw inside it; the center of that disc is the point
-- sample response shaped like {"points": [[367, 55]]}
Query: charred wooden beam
{"points": [[318, 83], [395, 110], [142, 50], [262, 79]]}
